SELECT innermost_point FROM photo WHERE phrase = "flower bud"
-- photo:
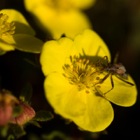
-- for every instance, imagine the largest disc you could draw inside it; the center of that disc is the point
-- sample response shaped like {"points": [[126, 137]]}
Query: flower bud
{"points": [[25, 116], [7, 103]]}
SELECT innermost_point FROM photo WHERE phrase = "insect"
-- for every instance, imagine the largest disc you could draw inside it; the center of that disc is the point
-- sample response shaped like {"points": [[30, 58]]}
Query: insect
{"points": [[116, 69]]}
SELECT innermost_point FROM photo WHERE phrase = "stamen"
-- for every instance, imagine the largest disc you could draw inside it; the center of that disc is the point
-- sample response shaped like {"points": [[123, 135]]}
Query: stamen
{"points": [[80, 72], [6, 28]]}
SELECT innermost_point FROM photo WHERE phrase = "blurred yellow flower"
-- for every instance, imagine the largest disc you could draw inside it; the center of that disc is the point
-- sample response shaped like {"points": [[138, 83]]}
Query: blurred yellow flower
{"points": [[81, 4], [16, 33], [60, 16], [72, 84]]}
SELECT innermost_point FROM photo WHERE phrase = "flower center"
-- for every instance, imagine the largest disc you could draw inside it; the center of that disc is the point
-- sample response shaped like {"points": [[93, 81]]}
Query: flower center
{"points": [[6, 28], [81, 73]]}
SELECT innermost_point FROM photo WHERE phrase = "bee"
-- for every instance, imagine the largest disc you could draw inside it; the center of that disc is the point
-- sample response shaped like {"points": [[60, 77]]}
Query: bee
{"points": [[117, 69]]}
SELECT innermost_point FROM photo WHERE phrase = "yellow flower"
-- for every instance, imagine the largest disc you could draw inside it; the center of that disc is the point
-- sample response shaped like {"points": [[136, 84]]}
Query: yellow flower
{"points": [[16, 33], [59, 17], [74, 84], [82, 4]]}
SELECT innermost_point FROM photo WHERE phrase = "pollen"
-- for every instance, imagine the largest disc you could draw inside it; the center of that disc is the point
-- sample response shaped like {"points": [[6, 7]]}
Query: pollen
{"points": [[6, 28], [81, 73]]}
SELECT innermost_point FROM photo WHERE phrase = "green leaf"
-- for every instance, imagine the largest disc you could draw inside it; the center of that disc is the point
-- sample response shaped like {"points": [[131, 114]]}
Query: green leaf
{"points": [[28, 43], [26, 93], [2, 52], [18, 131], [3, 131], [11, 137], [35, 123], [55, 135], [43, 116]]}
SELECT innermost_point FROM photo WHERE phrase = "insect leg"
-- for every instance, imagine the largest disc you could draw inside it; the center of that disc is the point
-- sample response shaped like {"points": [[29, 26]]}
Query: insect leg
{"points": [[125, 81], [100, 82], [112, 84], [99, 92]]}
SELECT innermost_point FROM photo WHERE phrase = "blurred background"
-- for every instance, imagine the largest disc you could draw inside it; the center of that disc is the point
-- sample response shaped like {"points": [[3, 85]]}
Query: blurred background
{"points": [[118, 23]]}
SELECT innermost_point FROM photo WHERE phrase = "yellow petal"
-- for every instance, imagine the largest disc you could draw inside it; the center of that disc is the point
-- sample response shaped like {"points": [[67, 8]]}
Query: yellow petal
{"points": [[82, 4], [89, 111], [59, 93], [79, 4], [122, 94], [28, 43], [7, 43], [69, 23], [32, 4], [59, 21], [8, 39], [6, 46], [21, 23], [92, 44], [54, 54], [99, 114]]}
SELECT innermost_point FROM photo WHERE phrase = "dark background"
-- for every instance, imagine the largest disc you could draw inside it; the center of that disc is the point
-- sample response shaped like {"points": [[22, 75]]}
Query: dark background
{"points": [[118, 23]]}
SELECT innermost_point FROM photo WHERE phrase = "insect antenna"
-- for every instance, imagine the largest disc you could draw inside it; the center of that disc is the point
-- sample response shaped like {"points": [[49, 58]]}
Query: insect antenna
{"points": [[116, 58]]}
